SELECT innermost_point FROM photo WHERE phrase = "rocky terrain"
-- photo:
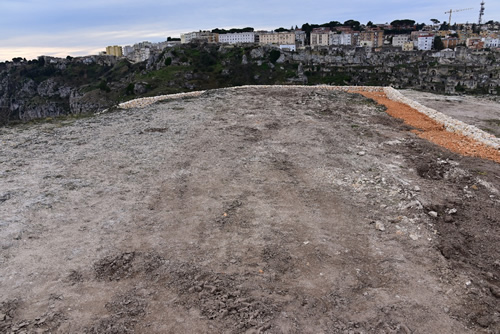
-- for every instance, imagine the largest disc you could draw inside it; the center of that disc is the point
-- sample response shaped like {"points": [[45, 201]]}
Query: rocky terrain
{"points": [[49, 87], [268, 210]]}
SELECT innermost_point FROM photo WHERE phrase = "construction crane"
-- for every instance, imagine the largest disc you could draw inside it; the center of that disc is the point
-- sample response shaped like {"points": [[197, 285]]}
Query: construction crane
{"points": [[481, 13], [454, 11]]}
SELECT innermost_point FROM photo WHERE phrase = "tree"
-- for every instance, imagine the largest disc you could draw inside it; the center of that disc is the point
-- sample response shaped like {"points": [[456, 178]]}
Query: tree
{"points": [[281, 29], [420, 26], [103, 85], [355, 25], [438, 43], [403, 23], [369, 24], [274, 56], [444, 26], [435, 21]]}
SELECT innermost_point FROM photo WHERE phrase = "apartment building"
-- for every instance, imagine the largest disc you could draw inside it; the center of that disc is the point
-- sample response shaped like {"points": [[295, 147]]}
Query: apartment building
{"points": [[400, 40], [371, 37], [199, 36], [408, 46], [320, 37], [235, 38], [490, 42], [335, 39], [277, 38], [475, 43], [300, 38], [450, 42], [416, 34], [114, 50], [127, 50], [425, 42]]}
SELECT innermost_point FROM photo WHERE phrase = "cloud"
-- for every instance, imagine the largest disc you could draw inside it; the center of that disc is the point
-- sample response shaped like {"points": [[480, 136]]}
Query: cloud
{"points": [[94, 24]]}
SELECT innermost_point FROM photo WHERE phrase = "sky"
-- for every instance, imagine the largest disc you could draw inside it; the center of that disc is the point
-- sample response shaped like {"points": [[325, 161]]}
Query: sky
{"points": [[29, 28]]}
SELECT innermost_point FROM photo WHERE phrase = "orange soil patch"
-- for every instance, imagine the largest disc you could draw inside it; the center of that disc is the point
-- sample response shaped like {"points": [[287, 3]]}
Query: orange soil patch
{"points": [[433, 131]]}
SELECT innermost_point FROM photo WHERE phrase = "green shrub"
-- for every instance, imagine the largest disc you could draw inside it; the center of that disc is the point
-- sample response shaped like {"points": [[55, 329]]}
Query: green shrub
{"points": [[104, 86], [274, 56]]}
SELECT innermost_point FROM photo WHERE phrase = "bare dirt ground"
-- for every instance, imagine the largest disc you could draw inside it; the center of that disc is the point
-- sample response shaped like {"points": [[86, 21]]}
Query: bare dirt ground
{"points": [[262, 210], [478, 111], [429, 129]]}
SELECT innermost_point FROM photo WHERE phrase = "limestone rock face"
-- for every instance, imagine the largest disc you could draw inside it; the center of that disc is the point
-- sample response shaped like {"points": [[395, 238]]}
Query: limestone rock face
{"points": [[140, 88], [257, 53], [47, 88], [54, 86]]}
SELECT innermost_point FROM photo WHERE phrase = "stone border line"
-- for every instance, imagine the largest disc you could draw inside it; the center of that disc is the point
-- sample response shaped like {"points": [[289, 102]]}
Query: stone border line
{"points": [[450, 124], [146, 101]]}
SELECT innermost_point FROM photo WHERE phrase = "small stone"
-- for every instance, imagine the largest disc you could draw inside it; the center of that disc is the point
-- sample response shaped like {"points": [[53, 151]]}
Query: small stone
{"points": [[413, 237], [361, 153], [233, 261], [433, 214], [2, 317], [416, 188], [452, 211], [484, 321], [446, 310], [448, 219], [379, 226]]}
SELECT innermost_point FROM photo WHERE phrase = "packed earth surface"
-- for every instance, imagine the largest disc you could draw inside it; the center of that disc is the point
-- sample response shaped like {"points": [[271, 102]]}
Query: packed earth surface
{"points": [[479, 111], [253, 211]]}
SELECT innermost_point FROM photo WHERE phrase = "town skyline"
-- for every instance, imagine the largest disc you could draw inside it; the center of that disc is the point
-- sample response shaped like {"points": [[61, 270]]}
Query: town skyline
{"points": [[58, 28]]}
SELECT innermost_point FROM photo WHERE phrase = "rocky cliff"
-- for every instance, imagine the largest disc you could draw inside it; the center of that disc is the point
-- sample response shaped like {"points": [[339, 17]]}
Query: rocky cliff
{"points": [[54, 86]]}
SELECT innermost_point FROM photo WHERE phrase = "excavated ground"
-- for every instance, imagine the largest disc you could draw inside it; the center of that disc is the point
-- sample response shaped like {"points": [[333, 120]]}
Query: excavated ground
{"points": [[427, 128], [262, 210]]}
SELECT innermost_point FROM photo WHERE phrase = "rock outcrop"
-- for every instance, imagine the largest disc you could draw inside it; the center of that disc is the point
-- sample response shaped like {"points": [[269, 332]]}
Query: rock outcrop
{"points": [[54, 86]]}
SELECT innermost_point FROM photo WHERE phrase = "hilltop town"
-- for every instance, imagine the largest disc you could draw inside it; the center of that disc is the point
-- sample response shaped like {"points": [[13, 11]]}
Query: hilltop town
{"points": [[402, 35], [440, 58]]}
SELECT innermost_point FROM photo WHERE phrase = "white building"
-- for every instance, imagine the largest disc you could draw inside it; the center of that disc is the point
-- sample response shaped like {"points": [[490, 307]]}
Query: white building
{"points": [[300, 38], [425, 42], [491, 42], [345, 39], [127, 50], [240, 37], [335, 39], [366, 43], [290, 47], [400, 40], [340, 39]]}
